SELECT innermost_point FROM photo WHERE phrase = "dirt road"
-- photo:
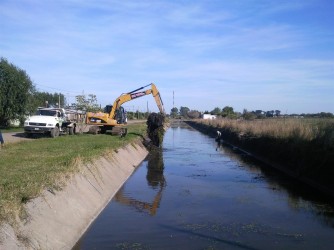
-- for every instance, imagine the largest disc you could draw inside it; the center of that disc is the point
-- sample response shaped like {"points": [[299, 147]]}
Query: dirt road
{"points": [[14, 137], [20, 136]]}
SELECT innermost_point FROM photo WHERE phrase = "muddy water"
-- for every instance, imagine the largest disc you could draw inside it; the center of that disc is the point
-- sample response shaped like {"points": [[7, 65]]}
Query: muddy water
{"points": [[195, 195]]}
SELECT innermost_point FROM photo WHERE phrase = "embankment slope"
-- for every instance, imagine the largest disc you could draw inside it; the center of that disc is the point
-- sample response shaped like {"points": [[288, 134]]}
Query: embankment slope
{"points": [[57, 219]]}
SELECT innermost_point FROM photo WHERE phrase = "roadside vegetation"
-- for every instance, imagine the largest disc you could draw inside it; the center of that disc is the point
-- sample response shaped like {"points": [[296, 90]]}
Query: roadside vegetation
{"points": [[289, 128], [11, 129], [29, 167], [304, 147]]}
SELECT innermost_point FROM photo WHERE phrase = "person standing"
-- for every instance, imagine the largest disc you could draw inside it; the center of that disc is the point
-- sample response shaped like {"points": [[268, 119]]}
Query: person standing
{"points": [[1, 139]]}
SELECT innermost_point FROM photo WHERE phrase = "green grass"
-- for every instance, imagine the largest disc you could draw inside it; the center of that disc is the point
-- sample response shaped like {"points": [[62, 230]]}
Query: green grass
{"points": [[27, 168], [11, 129]]}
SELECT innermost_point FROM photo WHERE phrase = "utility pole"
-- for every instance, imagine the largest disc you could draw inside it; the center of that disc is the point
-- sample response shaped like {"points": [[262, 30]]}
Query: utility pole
{"points": [[173, 105], [173, 99]]}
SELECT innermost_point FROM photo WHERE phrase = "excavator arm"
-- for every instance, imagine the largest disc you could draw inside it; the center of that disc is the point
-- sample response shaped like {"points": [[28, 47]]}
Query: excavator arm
{"points": [[135, 94], [107, 119]]}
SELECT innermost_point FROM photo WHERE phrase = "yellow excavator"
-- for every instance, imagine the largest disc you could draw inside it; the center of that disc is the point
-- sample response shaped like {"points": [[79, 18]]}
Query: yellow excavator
{"points": [[114, 116]]}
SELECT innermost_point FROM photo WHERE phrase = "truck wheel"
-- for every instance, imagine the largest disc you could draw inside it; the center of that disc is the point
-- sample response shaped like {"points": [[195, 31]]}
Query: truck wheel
{"points": [[123, 132], [94, 130], [54, 132], [71, 130]]}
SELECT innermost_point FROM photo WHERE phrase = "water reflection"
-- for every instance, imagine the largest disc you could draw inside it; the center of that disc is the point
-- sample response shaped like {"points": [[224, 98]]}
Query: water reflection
{"points": [[155, 179], [300, 197]]}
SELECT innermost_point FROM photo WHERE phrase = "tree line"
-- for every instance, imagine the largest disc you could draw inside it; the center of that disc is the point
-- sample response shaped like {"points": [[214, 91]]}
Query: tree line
{"points": [[228, 112], [185, 112]]}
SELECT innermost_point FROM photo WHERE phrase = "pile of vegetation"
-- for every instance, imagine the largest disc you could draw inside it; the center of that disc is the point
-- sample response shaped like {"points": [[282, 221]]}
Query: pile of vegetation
{"points": [[303, 147], [155, 128]]}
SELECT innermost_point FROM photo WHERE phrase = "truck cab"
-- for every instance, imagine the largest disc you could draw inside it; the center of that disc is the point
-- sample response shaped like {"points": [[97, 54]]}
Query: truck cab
{"points": [[51, 121]]}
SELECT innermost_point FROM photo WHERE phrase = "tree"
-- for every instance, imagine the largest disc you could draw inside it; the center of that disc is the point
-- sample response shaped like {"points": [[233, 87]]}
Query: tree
{"points": [[216, 111], [86, 103], [259, 114], [174, 112], [194, 114], [45, 99], [184, 111], [227, 111], [248, 115], [270, 113], [16, 91]]}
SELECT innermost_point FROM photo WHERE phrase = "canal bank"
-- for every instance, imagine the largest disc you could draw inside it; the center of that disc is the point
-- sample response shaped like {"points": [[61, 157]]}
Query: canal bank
{"points": [[303, 164], [58, 218]]}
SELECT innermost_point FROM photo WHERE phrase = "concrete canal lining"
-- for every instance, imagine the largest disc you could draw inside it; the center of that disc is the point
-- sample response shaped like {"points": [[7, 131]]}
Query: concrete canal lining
{"points": [[57, 219]]}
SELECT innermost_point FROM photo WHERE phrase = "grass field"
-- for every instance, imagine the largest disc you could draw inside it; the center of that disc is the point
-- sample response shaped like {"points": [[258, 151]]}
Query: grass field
{"points": [[11, 129], [29, 167]]}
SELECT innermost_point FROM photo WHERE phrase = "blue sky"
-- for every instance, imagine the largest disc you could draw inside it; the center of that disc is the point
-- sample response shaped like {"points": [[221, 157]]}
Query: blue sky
{"points": [[248, 54]]}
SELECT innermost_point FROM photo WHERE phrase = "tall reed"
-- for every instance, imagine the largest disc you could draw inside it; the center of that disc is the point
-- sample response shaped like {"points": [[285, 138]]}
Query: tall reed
{"points": [[292, 128]]}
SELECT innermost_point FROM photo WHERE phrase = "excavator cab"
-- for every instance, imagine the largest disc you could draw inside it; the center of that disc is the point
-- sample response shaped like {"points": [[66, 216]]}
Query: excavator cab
{"points": [[121, 115], [107, 109]]}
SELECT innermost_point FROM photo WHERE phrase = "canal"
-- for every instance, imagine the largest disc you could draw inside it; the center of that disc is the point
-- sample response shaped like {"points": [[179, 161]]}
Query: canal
{"points": [[196, 195]]}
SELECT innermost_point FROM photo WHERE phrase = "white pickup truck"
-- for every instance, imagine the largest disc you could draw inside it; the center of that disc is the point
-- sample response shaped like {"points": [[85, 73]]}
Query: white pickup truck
{"points": [[51, 121]]}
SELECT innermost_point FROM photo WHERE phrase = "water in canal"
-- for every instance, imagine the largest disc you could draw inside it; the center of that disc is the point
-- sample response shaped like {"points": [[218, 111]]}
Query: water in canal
{"points": [[194, 195]]}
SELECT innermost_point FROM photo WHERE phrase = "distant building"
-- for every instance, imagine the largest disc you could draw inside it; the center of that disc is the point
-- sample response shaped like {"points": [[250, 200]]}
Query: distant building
{"points": [[209, 117]]}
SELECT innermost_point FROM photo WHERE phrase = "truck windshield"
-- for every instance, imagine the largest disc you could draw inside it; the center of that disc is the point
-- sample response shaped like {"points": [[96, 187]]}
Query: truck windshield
{"points": [[46, 112]]}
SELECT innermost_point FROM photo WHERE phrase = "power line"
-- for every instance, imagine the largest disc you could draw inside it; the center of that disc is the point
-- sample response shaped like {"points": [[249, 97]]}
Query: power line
{"points": [[62, 90]]}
